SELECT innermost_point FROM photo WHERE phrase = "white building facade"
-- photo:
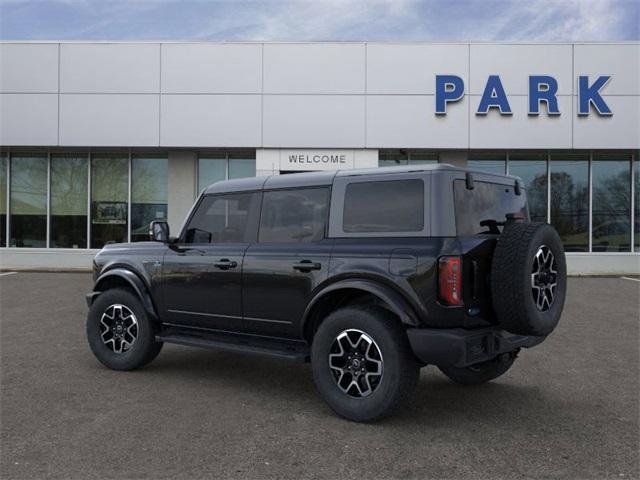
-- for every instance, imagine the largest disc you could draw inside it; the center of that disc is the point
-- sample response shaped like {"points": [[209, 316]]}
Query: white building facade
{"points": [[98, 139]]}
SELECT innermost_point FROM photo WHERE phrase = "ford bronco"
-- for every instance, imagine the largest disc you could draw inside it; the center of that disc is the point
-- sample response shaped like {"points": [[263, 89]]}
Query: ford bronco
{"points": [[368, 274]]}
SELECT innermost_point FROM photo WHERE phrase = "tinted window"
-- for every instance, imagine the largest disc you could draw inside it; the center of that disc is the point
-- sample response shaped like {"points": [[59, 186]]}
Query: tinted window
{"points": [[570, 200], [294, 216], [384, 206], [487, 201], [223, 219]]}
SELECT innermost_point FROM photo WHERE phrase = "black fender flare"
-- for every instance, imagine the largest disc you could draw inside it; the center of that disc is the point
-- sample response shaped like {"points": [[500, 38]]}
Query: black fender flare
{"points": [[134, 281], [394, 300]]}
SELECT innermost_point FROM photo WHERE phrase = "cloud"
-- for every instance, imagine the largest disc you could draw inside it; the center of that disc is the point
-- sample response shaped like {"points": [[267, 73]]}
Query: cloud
{"points": [[330, 20]]}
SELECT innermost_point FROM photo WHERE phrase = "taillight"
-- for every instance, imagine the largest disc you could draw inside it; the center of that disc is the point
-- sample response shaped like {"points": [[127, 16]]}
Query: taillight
{"points": [[450, 280]]}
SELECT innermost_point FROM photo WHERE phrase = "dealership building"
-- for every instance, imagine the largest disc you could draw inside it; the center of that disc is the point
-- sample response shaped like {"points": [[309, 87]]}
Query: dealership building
{"points": [[98, 139]]}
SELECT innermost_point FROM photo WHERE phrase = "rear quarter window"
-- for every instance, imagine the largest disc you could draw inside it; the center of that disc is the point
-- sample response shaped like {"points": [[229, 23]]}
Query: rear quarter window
{"points": [[384, 206], [487, 201]]}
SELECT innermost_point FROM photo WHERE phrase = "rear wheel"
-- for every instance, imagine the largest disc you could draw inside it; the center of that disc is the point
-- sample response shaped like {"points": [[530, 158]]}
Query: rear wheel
{"points": [[363, 366], [119, 331], [482, 372]]}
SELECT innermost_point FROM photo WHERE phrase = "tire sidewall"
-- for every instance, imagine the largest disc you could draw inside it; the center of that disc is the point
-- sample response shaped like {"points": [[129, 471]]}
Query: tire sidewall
{"points": [[374, 324], [137, 354]]}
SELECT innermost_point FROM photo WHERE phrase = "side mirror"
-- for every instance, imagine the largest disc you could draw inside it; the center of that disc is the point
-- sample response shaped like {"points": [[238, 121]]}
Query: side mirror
{"points": [[159, 231]]}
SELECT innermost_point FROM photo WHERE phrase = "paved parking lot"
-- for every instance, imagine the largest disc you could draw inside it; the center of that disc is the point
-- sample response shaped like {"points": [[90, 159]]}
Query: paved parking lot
{"points": [[567, 409]]}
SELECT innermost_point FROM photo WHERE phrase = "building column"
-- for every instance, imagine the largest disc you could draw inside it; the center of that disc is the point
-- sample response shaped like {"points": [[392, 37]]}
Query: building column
{"points": [[182, 186], [267, 162]]}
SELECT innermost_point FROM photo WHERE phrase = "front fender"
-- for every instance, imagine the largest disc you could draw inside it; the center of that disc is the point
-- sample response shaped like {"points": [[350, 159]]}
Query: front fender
{"points": [[131, 279], [396, 303]]}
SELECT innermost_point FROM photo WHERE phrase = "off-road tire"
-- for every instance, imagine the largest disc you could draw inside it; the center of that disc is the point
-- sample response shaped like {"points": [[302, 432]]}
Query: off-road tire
{"points": [[145, 347], [481, 373], [511, 278], [400, 367]]}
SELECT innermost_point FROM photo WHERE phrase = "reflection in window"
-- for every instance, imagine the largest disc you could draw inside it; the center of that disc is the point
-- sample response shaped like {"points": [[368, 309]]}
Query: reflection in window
{"points": [[69, 201], [149, 194], [109, 186], [570, 200], [211, 170], [611, 187], [3, 200], [223, 219], [294, 216], [28, 201], [532, 169], [487, 162], [242, 165]]}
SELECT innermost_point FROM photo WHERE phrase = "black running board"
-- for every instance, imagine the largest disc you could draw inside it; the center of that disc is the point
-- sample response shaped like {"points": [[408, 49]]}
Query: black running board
{"points": [[298, 353]]}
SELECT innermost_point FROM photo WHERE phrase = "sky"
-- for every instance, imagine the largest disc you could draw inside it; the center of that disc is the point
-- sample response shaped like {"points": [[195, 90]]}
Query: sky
{"points": [[321, 20]]}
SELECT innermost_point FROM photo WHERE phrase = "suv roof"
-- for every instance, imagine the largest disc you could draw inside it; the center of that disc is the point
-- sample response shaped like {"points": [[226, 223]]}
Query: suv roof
{"points": [[311, 179]]}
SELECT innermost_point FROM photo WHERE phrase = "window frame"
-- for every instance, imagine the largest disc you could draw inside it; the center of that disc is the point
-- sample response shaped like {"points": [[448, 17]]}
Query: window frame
{"points": [[325, 232], [253, 221], [336, 209]]}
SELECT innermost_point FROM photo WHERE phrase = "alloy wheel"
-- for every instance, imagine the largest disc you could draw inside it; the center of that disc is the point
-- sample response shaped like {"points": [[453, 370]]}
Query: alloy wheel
{"points": [[118, 328], [356, 363], [544, 278]]}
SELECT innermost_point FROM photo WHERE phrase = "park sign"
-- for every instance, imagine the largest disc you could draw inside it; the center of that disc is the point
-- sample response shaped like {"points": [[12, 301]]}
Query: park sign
{"points": [[542, 89]]}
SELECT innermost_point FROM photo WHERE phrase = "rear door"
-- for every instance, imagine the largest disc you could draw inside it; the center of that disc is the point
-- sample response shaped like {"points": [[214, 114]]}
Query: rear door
{"points": [[202, 273], [289, 260]]}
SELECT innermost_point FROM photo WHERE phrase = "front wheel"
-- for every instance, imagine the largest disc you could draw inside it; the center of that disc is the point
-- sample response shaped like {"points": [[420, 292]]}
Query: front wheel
{"points": [[481, 372], [119, 331], [363, 366]]}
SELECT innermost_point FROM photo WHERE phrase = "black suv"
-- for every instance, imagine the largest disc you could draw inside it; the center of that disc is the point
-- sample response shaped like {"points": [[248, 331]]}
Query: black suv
{"points": [[368, 274]]}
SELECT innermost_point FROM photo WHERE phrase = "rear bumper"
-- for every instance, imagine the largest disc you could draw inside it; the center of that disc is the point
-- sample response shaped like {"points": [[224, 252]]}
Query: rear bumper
{"points": [[460, 348]]}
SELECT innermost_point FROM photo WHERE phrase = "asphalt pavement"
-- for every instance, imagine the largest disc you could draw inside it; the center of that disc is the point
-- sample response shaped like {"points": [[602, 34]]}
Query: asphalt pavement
{"points": [[568, 408]]}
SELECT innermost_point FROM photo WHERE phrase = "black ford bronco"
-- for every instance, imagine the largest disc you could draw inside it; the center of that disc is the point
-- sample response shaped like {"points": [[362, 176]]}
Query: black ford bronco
{"points": [[368, 274]]}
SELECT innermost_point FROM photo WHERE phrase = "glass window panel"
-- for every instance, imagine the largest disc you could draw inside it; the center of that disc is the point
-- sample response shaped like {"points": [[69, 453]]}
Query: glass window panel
{"points": [[570, 200], [211, 170], [487, 201], [490, 162], [384, 206], [109, 192], [294, 216], [636, 195], [611, 205], [421, 158], [532, 169], [392, 158], [242, 165], [3, 199], [149, 194], [28, 201], [68, 201], [224, 219]]}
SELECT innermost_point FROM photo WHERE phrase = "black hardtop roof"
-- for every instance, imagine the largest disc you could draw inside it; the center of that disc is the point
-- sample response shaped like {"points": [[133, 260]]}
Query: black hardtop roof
{"points": [[313, 179]]}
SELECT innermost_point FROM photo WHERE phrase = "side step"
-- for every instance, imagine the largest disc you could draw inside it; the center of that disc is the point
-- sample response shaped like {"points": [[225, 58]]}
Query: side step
{"points": [[293, 352]]}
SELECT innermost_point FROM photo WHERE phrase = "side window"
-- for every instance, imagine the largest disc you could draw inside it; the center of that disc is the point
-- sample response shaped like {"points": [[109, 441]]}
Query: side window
{"points": [[294, 216], [384, 206], [223, 219]]}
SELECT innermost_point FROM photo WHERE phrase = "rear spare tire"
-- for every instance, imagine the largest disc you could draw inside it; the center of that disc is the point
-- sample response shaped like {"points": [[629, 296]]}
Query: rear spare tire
{"points": [[528, 278]]}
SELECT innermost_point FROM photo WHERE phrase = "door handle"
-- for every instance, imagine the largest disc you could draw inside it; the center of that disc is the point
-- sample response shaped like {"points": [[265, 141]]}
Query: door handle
{"points": [[306, 266], [225, 264]]}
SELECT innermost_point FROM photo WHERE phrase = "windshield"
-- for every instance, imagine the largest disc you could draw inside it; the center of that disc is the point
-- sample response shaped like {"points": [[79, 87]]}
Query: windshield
{"points": [[485, 208]]}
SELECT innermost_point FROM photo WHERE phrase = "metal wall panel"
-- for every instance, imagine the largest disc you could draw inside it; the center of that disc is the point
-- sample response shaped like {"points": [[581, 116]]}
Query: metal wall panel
{"points": [[313, 121], [109, 68], [211, 120], [314, 68], [407, 121], [211, 68], [28, 68], [109, 120], [28, 119], [621, 130], [411, 69], [622, 62]]}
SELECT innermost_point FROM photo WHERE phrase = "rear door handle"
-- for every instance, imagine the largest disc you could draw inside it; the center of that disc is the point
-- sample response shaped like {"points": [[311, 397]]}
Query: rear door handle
{"points": [[225, 264], [306, 266]]}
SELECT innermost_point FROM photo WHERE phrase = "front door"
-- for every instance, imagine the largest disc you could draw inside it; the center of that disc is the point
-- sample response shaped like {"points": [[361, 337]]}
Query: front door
{"points": [[202, 272], [290, 259]]}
